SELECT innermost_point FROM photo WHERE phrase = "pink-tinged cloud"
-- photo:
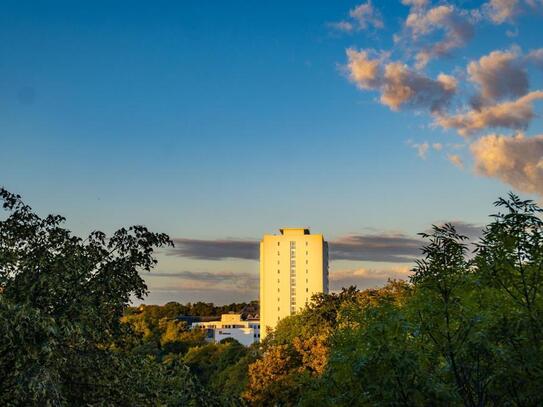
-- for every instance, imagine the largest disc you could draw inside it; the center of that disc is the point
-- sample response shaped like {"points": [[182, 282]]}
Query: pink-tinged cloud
{"points": [[367, 278], [456, 160], [516, 114], [499, 75], [500, 11], [516, 161], [415, 3], [398, 85], [455, 27], [361, 18]]}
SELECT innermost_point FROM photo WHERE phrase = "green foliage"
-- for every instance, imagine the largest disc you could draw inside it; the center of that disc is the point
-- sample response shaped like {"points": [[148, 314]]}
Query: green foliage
{"points": [[162, 335], [210, 359], [467, 330], [203, 309], [61, 303]]}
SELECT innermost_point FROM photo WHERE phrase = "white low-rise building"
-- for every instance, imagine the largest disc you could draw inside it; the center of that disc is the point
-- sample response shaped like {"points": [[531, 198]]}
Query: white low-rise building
{"points": [[245, 331]]}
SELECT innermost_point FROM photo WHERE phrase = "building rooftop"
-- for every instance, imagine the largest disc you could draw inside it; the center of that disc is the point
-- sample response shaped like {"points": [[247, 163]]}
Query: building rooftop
{"points": [[294, 231]]}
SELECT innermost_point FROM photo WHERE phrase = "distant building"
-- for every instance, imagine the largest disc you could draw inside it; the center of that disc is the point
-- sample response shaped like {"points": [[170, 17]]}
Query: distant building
{"points": [[245, 331], [191, 319], [293, 267]]}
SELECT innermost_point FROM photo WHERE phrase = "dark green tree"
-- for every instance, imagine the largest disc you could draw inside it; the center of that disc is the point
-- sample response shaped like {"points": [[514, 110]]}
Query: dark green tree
{"points": [[61, 301], [509, 261]]}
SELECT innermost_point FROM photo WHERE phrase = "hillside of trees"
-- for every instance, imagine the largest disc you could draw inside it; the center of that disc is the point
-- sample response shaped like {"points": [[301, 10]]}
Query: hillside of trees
{"points": [[466, 330], [200, 309]]}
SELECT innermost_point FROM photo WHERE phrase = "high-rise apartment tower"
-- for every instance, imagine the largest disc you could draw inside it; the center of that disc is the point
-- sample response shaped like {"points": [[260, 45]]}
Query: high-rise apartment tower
{"points": [[293, 267]]}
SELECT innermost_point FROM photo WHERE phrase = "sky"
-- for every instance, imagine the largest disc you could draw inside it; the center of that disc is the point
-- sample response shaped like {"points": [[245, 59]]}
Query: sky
{"points": [[218, 122]]}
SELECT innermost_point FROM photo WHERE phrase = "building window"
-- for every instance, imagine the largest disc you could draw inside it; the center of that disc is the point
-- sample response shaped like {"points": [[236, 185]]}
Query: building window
{"points": [[278, 289], [292, 275], [307, 290], [278, 243]]}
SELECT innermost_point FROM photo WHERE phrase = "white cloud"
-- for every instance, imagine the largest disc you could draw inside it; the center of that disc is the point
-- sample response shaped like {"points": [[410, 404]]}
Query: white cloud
{"points": [[399, 86], [455, 26], [344, 26], [422, 150], [517, 161], [498, 75], [536, 57], [367, 278], [415, 3], [361, 18], [515, 114], [505, 11], [456, 160], [500, 11], [365, 15]]}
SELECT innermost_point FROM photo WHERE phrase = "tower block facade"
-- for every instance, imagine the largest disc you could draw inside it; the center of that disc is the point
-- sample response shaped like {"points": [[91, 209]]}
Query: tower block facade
{"points": [[293, 267]]}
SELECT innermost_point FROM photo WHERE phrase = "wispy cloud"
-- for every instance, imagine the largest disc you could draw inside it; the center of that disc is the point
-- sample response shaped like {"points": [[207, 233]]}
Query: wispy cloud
{"points": [[472, 231], [393, 248], [367, 278], [396, 248], [456, 160], [215, 249], [189, 285], [501, 11], [516, 114], [456, 28], [361, 17], [205, 279], [424, 148]]}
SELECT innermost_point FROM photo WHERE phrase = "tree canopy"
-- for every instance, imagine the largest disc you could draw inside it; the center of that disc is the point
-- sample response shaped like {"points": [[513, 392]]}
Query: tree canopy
{"points": [[61, 303]]}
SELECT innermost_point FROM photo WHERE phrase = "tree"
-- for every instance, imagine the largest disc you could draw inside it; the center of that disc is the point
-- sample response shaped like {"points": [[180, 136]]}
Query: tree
{"points": [[372, 360], [509, 260], [296, 352], [61, 302]]}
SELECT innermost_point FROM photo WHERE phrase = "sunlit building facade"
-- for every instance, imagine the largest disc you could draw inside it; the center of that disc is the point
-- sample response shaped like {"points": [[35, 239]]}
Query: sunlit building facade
{"points": [[244, 330], [293, 267]]}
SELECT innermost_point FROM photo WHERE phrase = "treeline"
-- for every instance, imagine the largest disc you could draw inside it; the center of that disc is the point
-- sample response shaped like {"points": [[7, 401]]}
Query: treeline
{"points": [[466, 330], [220, 368], [201, 309]]}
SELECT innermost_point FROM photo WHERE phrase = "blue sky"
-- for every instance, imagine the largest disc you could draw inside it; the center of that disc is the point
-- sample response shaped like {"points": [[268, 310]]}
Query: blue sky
{"points": [[222, 121]]}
